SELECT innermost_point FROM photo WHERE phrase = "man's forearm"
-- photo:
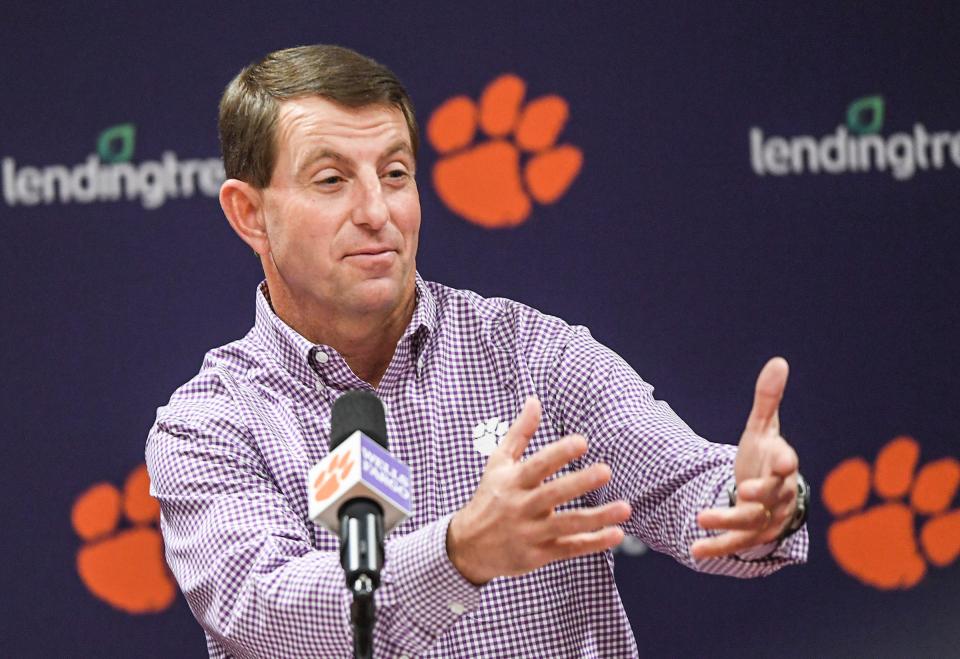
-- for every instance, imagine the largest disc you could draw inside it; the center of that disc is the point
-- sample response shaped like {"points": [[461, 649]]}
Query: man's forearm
{"points": [[248, 567]]}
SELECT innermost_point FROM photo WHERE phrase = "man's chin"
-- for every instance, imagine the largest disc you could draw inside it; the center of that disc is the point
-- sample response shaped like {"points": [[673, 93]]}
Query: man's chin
{"points": [[376, 295]]}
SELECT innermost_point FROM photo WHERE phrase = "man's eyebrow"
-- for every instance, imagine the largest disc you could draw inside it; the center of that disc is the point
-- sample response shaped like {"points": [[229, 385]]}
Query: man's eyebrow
{"points": [[321, 153], [326, 153], [400, 146]]}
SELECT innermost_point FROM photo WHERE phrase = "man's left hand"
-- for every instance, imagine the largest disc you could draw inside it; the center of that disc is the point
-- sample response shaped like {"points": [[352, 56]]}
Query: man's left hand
{"points": [[766, 474]]}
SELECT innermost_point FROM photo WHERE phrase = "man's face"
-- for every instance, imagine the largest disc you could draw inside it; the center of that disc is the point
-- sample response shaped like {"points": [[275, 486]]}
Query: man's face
{"points": [[342, 211]]}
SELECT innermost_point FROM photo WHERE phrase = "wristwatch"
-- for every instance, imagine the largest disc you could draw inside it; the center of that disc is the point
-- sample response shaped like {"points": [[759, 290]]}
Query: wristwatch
{"points": [[799, 515]]}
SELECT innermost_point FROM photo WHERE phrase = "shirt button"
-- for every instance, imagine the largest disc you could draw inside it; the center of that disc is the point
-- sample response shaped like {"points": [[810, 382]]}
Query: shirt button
{"points": [[457, 608], [420, 363], [319, 386], [321, 357]]}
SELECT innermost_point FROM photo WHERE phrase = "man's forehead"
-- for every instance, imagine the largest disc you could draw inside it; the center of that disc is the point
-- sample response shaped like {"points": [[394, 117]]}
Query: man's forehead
{"points": [[317, 116]]}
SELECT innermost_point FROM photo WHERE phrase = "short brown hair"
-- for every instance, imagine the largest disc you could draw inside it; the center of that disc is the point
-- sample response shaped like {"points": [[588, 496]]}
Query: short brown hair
{"points": [[251, 102]]}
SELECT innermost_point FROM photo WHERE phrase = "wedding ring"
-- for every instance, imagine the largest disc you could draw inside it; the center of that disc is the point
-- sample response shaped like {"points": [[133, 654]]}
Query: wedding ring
{"points": [[766, 521]]}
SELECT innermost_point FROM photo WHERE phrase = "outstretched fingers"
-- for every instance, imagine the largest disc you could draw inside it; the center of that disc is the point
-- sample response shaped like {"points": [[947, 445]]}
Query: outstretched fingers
{"points": [[765, 489], [515, 506], [579, 544], [724, 545], [766, 400], [524, 426], [582, 520], [744, 517], [567, 487], [550, 459]]}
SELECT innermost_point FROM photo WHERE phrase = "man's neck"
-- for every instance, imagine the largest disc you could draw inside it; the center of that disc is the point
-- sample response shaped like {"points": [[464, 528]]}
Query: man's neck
{"points": [[366, 342]]}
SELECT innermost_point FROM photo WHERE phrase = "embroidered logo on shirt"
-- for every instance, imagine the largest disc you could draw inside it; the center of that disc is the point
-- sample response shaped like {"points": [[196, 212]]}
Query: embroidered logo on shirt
{"points": [[124, 568], [487, 435], [878, 545]]}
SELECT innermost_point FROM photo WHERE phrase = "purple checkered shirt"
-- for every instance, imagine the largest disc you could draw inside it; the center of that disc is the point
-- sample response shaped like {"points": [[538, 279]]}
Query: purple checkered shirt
{"points": [[229, 456]]}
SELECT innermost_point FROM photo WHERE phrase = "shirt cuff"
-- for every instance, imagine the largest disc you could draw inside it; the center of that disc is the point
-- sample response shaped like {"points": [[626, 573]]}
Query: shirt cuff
{"points": [[430, 592], [757, 552]]}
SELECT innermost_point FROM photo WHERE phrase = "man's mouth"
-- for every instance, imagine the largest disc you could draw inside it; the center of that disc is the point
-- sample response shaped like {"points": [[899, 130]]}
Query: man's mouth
{"points": [[371, 252], [371, 257]]}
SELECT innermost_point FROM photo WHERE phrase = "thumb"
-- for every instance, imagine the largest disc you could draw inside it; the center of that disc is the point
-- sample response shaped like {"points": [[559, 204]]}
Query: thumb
{"points": [[518, 436], [771, 382]]}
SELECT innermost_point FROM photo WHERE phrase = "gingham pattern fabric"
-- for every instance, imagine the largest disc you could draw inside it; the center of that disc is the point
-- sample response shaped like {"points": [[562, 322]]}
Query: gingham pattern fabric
{"points": [[229, 456]]}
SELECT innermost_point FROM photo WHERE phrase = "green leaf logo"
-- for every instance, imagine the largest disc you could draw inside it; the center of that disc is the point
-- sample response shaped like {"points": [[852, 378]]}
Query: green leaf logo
{"points": [[865, 115], [116, 143]]}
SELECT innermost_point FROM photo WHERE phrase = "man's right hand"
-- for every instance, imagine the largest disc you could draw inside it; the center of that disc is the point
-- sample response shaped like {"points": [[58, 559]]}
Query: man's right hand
{"points": [[510, 526]]}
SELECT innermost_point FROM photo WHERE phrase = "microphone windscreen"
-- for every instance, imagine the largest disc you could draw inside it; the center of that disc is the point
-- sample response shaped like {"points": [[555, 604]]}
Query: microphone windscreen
{"points": [[357, 410]]}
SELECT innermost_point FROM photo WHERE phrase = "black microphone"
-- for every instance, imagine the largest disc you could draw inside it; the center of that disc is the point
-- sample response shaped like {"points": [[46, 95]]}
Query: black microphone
{"points": [[361, 518]]}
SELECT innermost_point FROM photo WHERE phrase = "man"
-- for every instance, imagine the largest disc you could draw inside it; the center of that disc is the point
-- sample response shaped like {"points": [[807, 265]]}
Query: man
{"points": [[506, 555]]}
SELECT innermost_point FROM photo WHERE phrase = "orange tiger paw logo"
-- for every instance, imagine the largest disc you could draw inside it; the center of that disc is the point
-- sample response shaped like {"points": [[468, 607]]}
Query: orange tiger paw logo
{"points": [[124, 568], [878, 545], [328, 480], [485, 183]]}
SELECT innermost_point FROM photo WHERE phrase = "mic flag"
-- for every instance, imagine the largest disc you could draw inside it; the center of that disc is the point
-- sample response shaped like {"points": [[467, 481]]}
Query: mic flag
{"points": [[358, 466]]}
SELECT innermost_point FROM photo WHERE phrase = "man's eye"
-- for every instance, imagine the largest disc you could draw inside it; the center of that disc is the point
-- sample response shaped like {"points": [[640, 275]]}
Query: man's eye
{"points": [[330, 180], [397, 173]]}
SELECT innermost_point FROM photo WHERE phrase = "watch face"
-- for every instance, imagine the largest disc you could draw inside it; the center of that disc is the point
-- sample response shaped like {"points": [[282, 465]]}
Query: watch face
{"points": [[804, 491], [803, 505]]}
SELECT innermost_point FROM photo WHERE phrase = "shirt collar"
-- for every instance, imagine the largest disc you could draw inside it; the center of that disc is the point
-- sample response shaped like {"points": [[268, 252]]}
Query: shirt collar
{"points": [[282, 342], [424, 320], [296, 354]]}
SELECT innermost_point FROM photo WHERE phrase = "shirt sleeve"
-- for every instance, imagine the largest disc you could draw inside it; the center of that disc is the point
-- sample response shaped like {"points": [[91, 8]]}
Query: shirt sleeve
{"points": [[666, 472], [247, 565]]}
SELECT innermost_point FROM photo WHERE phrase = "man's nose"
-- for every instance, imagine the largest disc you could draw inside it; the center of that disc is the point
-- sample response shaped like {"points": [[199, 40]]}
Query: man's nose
{"points": [[371, 207]]}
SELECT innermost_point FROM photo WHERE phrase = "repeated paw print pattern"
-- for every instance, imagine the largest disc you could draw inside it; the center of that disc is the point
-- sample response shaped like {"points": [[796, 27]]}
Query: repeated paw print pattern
{"points": [[123, 567], [491, 182], [487, 435], [878, 544]]}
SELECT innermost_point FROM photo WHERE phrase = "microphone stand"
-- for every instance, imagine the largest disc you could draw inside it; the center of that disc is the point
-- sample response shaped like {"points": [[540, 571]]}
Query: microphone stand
{"points": [[363, 615], [361, 554]]}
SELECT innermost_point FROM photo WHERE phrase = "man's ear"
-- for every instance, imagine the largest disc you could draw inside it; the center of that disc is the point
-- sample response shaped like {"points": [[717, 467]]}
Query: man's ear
{"points": [[243, 204]]}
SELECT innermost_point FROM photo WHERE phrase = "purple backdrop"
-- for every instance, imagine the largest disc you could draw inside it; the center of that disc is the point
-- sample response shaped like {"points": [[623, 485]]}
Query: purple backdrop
{"points": [[669, 245]]}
